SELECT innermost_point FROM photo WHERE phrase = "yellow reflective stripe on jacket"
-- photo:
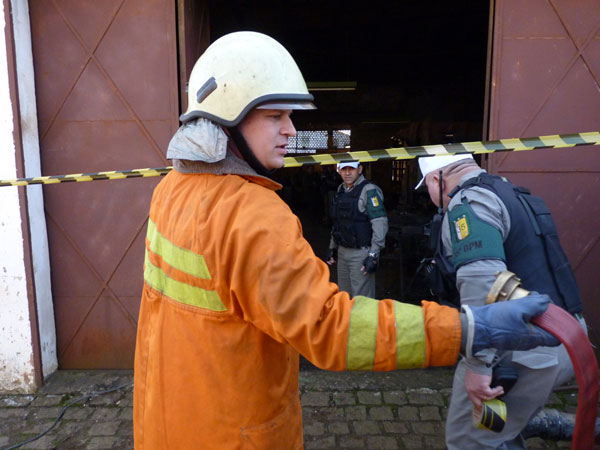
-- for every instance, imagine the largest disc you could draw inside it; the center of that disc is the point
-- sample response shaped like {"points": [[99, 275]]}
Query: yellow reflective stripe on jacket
{"points": [[362, 334], [410, 336], [157, 279], [179, 258], [185, 261]]}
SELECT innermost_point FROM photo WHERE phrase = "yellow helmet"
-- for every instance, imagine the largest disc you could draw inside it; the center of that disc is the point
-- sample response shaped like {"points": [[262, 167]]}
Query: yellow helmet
{"points": [[241, 71]]}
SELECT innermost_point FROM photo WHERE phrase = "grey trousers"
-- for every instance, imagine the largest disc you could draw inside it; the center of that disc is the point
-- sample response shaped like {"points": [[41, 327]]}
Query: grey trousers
{"points": [[549, 367], [349, 276]]}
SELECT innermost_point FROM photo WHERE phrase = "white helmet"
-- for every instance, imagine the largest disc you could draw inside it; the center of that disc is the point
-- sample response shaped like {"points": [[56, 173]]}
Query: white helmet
{"points": [[241, 71]]}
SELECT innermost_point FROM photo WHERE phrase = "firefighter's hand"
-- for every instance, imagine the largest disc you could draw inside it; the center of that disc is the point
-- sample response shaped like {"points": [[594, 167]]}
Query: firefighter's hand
{"points": [[478, 388], [506, 326], [369, 264], [331, 256]]}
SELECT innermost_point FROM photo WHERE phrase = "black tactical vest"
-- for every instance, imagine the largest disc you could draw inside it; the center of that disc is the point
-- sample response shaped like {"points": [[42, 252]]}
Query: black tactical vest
{"points": [[532, 248], [351, 228]]}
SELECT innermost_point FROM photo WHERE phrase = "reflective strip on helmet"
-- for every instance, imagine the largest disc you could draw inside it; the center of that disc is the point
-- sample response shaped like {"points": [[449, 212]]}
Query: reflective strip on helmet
{"points": [[157, 279], [287, 105], [362, 334], [410, 336], [179, 258]]}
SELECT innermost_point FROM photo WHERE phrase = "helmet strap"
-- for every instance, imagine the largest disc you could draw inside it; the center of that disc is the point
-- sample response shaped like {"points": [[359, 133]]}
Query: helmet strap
{"points": [[441, 185], [247, 153]]}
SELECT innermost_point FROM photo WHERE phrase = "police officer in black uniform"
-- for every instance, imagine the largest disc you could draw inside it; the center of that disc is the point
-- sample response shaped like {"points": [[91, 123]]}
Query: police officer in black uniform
{"points": [[489, 225], [358, 232]]}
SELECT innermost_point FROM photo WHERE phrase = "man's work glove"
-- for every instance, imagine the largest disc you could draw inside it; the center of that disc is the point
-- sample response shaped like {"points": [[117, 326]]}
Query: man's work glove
{"points": [[370, 264], [505, 325], [331, 256]]}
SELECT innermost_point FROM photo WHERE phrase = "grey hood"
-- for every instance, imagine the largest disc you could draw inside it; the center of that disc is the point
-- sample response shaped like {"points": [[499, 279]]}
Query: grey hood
{"points": [[198, 140]]}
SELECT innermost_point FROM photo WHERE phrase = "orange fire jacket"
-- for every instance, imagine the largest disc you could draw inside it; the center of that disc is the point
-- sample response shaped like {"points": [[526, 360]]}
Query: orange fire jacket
{"points": [[232, 294]]}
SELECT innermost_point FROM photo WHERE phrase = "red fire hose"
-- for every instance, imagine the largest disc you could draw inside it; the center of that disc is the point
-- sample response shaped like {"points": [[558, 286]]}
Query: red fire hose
{"points": [[568, 331]]}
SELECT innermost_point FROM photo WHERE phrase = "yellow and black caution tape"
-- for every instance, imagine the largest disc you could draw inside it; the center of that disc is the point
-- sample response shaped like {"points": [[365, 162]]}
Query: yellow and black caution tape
{"points": [[79, 177], [477, 147], [501, 145]]}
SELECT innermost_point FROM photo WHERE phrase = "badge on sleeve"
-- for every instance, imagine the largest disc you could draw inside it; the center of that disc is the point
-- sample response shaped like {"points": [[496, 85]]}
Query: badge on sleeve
{"points": [[472, 238], [462, 227], [374, 205]]}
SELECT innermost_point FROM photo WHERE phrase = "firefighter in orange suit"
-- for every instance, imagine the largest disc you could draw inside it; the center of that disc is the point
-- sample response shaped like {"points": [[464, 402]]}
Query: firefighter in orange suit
{"points": [[232, 291]]}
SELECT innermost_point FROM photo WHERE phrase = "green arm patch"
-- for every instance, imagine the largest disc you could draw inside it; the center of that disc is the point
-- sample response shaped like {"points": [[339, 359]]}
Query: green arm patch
{"points": [[374, 205], [472, 238]]}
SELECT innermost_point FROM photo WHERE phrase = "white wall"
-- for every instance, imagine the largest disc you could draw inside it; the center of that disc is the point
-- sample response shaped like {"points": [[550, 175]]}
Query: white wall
{"points": [[16, 355], [35, 200], [17, 369]]}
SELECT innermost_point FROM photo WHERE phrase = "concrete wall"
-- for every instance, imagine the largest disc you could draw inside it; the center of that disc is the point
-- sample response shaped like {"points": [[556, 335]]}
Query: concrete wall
{"points": [[18, 369], [35, 200]]}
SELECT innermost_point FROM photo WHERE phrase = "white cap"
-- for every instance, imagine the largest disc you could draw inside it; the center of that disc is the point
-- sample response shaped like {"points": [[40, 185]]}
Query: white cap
{"points": [[348, 164], [428, 164]]}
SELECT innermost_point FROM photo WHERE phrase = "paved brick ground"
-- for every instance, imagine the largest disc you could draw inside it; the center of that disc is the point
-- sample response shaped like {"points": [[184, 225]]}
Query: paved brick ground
{"points": [[396, 410]]}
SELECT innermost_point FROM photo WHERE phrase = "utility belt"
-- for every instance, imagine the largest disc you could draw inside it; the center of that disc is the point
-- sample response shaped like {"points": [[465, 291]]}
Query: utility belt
{"points": [[352, 240], [364, 248]]}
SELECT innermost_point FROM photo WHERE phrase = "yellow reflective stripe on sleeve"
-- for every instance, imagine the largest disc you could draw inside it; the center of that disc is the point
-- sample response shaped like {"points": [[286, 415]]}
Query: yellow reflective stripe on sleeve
{"points": [[179, 258], [410, 336], [362, 334], [181, 292]]}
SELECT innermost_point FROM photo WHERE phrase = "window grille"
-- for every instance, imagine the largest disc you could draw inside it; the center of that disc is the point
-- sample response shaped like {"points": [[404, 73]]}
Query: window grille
{"points": [[318, 141], [399, 170]]}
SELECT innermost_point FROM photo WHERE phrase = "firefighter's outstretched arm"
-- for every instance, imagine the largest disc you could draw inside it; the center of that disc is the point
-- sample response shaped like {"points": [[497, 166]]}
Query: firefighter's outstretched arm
{"points": [[505, 325]]}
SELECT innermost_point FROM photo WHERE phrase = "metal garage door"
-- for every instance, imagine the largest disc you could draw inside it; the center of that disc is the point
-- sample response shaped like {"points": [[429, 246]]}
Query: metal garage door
{"points": [[546, 80], [106, 85]]}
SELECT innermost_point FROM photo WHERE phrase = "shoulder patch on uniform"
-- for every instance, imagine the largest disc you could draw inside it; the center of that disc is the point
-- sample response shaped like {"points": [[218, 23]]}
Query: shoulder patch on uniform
{"points": [[472, 238], [461, 226], [374, 205]]}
